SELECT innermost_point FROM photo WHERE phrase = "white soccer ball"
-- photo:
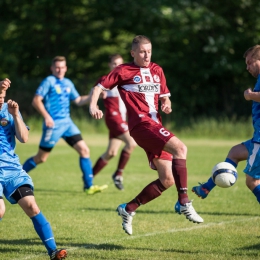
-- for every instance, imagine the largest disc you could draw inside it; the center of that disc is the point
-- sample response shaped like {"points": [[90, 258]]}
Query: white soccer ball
{"points": [[224, 175]]}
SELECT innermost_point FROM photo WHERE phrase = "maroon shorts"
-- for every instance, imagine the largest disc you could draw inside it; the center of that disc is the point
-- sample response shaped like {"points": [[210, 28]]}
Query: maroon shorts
{"points": [[152, 137], [116, 126]]}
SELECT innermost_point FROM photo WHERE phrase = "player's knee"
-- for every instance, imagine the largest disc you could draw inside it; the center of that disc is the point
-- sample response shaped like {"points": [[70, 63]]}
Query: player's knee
{"points": [[167, 182], [248, 184], [111, 154], [32, 209], [182, 150], [131, 146], [251, 183], [84, 151], [40, 159]]}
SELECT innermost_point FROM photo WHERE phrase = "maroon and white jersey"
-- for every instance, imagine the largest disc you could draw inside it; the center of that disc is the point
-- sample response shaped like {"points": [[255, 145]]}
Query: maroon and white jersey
{"points": [[140, 89]]}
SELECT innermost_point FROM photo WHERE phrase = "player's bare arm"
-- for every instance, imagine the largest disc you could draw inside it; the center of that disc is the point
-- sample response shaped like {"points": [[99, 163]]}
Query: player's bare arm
{"points": [[21, 131], [94, 111], [39, 106], [251, 95], [4, 84], [82, 100], [166, 105]]}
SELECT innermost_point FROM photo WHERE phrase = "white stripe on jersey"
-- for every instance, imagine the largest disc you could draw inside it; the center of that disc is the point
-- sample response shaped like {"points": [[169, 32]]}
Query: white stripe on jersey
{"points": [[146, 75], [149, 98], [122, 108], [121, 105], [113, 93], [254, 153]]}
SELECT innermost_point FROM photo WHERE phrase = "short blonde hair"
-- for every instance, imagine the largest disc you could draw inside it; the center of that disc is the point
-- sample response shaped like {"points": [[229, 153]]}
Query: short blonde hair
{"points": [[138, 40], [58, 58], [254, 52]]}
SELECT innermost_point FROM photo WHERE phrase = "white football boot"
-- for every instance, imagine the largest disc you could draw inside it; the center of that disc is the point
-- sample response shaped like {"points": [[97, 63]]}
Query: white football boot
{"points": [[127, 218], [188, 210]]}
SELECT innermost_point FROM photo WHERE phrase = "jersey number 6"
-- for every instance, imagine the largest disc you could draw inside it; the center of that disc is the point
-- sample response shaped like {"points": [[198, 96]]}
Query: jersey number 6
{"points": [[164, 132]]}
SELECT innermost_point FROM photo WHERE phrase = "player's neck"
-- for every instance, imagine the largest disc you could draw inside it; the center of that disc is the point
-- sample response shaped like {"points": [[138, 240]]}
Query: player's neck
{"points": [[141, 66]]}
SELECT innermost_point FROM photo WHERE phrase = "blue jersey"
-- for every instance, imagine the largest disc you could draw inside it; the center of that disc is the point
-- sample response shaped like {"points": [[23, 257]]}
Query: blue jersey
{"points": [[256, 105], [8, 158], [57, 95]]}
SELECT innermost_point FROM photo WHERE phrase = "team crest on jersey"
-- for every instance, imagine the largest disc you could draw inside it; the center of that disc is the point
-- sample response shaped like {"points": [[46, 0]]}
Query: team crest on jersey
{"points": [[137, 79], [68, 90], [4, 122], [156, 78], [58, 89]]}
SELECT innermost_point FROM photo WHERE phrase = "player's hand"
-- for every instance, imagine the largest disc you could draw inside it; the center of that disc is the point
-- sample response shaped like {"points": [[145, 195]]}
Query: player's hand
{"points": [[4, 84], [49, 122], [247, 93], [166, 108], [13, 107], [95, 112]]}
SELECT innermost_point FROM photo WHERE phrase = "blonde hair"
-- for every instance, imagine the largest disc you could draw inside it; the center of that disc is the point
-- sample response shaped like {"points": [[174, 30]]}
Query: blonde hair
{"points": [[58, 58], [138, 40], [254, 52]]}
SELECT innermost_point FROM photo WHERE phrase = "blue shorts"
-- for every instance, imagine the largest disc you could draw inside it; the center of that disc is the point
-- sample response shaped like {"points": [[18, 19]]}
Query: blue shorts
{"points": [[256, 135], [10, 180], [253, 160], [63, 128]]}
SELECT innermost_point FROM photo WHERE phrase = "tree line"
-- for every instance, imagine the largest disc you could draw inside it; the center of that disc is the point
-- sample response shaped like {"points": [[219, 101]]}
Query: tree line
{"points": [[199, 44]]}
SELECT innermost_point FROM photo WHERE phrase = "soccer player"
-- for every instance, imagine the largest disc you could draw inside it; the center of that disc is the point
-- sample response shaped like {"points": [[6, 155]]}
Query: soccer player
{"points": [[247, 150], [115, 118], [52, 101], [15, 184], [142, 85]]}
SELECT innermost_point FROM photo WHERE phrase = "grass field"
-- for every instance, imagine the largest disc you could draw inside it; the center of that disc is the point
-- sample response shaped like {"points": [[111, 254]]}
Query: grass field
{"points": [[89, 227]]}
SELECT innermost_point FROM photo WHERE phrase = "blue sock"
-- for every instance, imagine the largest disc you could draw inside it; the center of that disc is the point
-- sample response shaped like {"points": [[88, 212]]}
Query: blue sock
{"points": [[256, 192], [44, 231], [29, 165], [86, 168], [209, 185], [231, 162]]}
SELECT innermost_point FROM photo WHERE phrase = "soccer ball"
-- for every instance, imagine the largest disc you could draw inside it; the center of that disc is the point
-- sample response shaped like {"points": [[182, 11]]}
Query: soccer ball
{"points": [[224, 175]]}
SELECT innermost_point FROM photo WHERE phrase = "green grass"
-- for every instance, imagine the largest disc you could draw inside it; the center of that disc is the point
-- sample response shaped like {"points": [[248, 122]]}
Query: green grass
{"points": [[196, 128], [89, 227]]}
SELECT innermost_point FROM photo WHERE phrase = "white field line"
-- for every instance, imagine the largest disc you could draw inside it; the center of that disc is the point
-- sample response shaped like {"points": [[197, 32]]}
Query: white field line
{"points": [[175, 230]]}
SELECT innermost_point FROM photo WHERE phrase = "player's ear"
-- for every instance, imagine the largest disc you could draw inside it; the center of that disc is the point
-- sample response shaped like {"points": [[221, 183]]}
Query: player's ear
{"points": [[132, 53]]}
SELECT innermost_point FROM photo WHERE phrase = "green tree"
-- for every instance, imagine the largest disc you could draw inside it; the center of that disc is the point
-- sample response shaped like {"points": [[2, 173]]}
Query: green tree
{"points": [[199, 44]]}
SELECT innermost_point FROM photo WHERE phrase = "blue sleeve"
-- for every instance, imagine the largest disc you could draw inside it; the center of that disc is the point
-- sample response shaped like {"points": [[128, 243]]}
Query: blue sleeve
{"points": [[257, 85], [44, 87], [74, 93]]}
